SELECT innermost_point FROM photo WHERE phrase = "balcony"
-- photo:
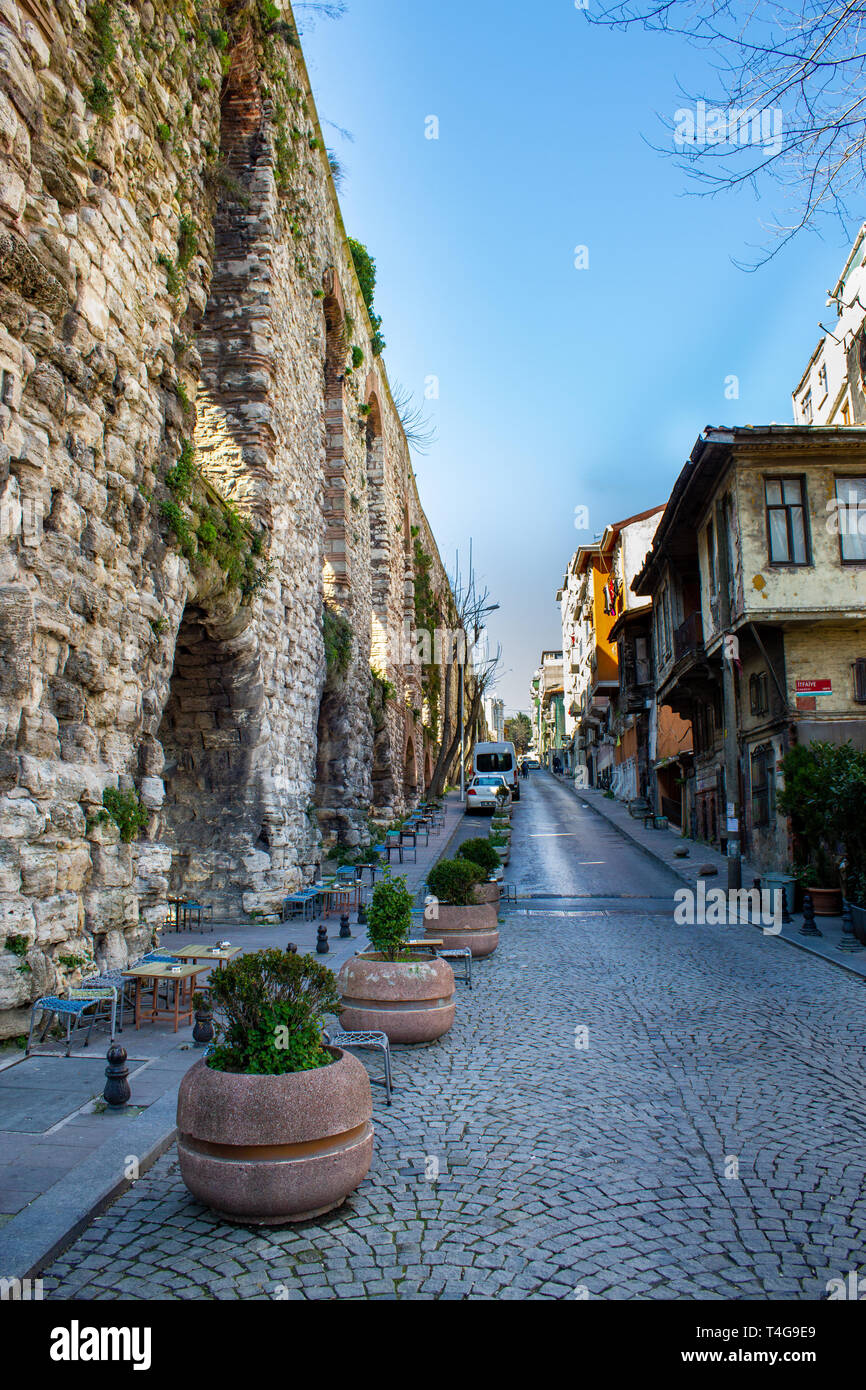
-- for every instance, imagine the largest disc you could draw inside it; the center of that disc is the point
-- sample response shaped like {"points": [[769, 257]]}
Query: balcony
{"points": [[689, 637]]}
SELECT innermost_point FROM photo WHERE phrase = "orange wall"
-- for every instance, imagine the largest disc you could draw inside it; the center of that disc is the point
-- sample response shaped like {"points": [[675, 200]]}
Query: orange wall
{"points": [[674, 734], [608, 664]]}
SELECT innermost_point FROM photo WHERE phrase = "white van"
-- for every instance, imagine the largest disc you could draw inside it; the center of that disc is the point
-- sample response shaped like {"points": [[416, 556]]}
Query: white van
{"points": [[501, 758]]}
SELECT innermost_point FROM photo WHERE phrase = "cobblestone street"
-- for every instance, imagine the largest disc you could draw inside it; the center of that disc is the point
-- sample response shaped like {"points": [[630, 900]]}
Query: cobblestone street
{"points": [[707, 1142]]}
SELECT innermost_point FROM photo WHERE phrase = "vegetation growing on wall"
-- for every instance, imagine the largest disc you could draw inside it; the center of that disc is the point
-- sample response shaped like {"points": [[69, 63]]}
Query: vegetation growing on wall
{"points": [[365, 269], [381, 691], [208, 529], [428, 618], [337, 634]]}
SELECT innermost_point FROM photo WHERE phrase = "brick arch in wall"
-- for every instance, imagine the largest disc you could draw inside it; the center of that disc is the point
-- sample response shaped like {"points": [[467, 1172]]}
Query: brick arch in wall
{"points": [[333, 797], [410, 770], [336, 576], [210, 729]]}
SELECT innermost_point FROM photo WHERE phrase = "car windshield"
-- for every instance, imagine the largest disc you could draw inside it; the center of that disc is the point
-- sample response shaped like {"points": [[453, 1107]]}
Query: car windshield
{"points": [[488, 782]]}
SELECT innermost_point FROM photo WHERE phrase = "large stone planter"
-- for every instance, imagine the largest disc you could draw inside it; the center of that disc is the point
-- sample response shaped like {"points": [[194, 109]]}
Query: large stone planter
{"points": [[411, 1001], [488, 893], [475, 927], [267, 1150]]}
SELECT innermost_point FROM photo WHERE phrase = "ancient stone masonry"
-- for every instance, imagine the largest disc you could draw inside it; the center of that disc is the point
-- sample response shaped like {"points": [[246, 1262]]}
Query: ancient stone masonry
{"points": [[210, 522]]}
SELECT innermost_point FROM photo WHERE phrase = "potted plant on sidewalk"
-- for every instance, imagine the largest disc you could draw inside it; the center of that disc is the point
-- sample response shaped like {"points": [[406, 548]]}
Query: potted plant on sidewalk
{"points": [[273, 1126], [454, 913], [823, 793], [481, 852], [391, 989]]}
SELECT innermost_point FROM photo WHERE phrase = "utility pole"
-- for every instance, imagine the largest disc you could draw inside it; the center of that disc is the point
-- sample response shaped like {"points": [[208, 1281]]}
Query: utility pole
{"points": [[729, 697]]}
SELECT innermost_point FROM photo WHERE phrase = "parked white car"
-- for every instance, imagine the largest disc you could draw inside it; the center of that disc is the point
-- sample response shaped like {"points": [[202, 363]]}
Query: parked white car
{"points": [[482, 791]]}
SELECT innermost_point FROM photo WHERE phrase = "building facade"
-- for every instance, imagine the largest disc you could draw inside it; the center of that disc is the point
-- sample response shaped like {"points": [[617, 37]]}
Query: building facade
{"points": [[759, 562], [832, 390]]}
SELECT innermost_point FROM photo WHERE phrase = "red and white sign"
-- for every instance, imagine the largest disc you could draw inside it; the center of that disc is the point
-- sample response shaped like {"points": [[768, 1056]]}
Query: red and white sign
{"points": [[823, 687]]}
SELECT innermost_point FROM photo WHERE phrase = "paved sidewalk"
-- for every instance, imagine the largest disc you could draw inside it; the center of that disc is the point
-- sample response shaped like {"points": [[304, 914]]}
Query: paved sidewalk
{"points": [[661, 844], [62, 1154]]}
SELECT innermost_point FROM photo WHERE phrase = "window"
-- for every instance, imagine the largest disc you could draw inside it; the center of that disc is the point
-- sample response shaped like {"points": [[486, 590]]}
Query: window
{"points": [[666, 622], [704, 728], [493, 762], [643, 672], [807, 407], [759, 693], [851, 513], [763, 779], [786, 521], [846, 411], [859, 669], [711, 559]]}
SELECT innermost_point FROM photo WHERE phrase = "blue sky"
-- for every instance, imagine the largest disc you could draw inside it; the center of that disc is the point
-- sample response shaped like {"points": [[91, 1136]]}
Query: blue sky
{"points": [[559, 387]]}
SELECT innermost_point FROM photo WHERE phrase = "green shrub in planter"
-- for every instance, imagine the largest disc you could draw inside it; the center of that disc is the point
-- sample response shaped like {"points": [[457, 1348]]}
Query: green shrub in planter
{"points": [[269, 1008], [389, 918], [453, 881], [479, 851]]}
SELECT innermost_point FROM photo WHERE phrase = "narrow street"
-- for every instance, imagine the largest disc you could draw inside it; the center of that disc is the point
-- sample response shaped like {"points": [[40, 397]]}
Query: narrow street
{"points": [[702, 1138]]}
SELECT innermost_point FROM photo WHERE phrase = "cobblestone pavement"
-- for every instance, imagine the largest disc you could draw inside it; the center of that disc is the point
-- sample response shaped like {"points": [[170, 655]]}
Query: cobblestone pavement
{"points": [[564, 1169]]}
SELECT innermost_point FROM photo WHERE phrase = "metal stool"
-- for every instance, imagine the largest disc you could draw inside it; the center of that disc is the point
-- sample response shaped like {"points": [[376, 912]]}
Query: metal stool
{"points": [[338, 1038], [75, 1011], [458, 953]]}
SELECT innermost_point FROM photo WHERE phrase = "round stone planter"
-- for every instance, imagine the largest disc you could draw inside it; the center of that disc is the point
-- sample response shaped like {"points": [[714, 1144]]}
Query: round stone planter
{"points": [[411, 1001], [827, 902], [268, 1150], [475, 927], [488, 893]]}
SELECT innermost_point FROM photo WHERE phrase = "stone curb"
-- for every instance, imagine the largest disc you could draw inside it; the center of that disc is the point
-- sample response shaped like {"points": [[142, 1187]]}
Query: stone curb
{"points": [[690, 882], [32, 1239]]}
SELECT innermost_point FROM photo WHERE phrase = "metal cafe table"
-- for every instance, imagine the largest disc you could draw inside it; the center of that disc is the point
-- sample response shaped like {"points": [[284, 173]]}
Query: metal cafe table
{"points": [[179, 1008]]}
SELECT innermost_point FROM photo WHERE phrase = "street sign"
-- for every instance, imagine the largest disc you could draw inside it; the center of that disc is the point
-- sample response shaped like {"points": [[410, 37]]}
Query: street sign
{"points": [[816, 687]]}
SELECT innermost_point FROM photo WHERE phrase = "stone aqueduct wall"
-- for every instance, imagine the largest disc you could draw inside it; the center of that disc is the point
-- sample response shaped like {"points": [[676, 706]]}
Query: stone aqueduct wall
{"points": [[174, 272]]}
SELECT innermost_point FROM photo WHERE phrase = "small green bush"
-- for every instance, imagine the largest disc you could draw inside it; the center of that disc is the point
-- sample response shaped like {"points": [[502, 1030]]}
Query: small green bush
{"points": [[480, 851], [100, 98], [268, 1009], [126, 811], [18, 945], [180, 478], [389, 918], [454, 880]]}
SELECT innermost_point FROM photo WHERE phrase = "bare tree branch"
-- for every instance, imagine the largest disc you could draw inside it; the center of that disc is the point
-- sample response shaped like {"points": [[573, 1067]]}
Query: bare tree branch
{"points": [[790, 107]]}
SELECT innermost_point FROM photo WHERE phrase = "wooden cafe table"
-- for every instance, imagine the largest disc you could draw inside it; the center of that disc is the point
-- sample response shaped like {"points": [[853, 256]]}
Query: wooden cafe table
{"points": [[199, 950], [183, 979]]}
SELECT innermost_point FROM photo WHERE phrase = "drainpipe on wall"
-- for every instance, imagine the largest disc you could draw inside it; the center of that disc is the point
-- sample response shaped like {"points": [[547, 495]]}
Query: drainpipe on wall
{"points": [[729, 694]]}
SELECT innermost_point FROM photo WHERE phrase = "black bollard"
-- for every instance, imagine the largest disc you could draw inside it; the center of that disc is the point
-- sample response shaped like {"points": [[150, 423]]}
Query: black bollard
{"points": [[203, 1031], [292, 948], [344, 926], [362, 915], [322, 947], [117, 1092], [849, 941], [808, 928]]}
